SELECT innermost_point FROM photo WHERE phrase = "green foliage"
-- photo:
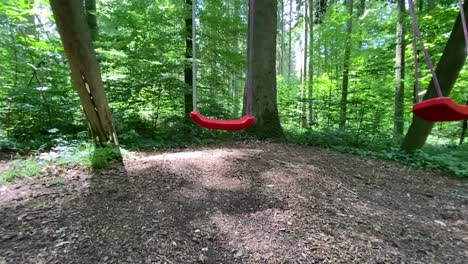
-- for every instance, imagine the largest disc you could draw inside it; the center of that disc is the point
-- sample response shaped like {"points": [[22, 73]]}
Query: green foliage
{"points": [[451, 158], [22, 169], [141, 51], [87, 155]]}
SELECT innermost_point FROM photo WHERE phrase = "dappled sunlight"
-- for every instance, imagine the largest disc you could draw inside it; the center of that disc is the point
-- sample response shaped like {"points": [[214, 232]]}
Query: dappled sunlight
{"points": [[214, 169], [202, 154], [265, 205]]}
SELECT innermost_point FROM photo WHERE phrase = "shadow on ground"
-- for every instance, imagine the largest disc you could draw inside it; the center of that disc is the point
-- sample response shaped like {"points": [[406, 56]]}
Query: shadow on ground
{"points": [[271, 203]]}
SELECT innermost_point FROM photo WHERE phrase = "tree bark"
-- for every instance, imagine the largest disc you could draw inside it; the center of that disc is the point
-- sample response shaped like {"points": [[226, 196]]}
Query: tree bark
{"points": [[398, 117], [188, 76], [448, 68], [91, 18], [281, 40], [347, 56], [265, 107], [76, 38], [464, 128]]}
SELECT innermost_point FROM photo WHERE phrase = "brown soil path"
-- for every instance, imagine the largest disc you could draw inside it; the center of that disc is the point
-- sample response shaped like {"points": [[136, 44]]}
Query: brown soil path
{"points": [[254, 203]]}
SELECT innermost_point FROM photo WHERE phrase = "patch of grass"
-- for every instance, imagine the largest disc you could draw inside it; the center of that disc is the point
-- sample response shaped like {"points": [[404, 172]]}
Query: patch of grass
{"points": [[87, 155], [57, 181], [22, 169]]}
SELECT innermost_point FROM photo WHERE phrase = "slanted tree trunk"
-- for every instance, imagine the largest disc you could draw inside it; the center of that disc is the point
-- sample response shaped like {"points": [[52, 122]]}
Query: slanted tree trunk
{"points": [[347, 56], [304, 68], [265, 106], [310, 117], [448, 68], [188, 76], [398, 117], [91, 18], [76, 38]]}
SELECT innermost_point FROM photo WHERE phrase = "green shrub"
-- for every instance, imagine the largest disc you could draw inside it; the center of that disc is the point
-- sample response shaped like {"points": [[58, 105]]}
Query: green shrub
{"points": [[448, 157], [89, 156]]}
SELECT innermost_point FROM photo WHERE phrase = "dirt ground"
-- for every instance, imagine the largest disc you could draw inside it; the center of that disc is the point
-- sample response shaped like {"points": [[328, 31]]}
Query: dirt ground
{"points": [[249, 203]]}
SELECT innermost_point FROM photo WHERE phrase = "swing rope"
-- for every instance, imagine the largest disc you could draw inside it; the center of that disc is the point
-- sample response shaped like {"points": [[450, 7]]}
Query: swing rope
{"points": [[417, 36], [250, 83], [440, 108]]}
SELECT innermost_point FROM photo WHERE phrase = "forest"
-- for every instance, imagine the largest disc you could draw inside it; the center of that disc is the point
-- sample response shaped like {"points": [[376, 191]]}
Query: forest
{"points": [[102, 97], [344, 76]]}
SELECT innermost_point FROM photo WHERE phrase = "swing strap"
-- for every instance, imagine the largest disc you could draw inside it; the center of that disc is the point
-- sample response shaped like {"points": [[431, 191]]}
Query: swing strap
{"points": [[438, 109], [417, 36], [249, 99]]}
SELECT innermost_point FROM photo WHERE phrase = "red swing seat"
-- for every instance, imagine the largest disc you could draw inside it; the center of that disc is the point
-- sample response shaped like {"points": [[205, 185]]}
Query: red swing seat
{"points": [[236, 124], [440, 109]]}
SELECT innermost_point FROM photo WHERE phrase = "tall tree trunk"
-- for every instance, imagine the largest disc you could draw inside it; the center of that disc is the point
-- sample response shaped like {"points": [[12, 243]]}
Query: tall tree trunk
{"points": [[398, 118], [448, 68], [265, 106], [281, 40], [304, 68], [76, 38], [347, 56], [91, 18], [188, 76], [310, 90], [290, 39]]}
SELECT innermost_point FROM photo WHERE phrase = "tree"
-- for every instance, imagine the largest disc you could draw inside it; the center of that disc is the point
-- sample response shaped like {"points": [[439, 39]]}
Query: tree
{"points": [[347, 57], [264, 75], [76, 38], [398, 118], [448, 68], [464, 128], [91, 18], [188, 77], [282, 48]]}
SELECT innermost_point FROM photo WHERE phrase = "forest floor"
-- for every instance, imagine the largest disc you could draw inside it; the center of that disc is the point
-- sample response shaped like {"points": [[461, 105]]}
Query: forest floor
{"points": [[247, 203]]}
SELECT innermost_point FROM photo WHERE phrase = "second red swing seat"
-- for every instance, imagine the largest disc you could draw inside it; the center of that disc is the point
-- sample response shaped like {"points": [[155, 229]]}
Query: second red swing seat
{"points": [[440, 109], [237, 124]]}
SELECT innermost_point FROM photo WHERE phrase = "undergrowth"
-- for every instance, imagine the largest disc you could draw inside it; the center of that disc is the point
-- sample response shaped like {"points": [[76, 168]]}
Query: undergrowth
{"points": [[87, 155], [448, 157], [22, 169]]}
